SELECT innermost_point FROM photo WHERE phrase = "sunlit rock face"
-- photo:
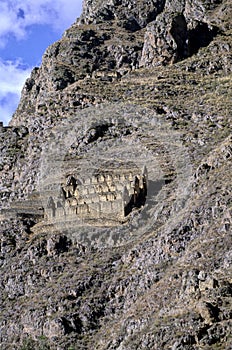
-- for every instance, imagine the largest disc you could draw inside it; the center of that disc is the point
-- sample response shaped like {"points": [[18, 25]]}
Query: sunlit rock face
{"points": [[115, 184]]}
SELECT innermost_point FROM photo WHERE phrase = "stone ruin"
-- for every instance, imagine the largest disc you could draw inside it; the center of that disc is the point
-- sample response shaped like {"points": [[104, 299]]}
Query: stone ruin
{"points": [[106, 195]]}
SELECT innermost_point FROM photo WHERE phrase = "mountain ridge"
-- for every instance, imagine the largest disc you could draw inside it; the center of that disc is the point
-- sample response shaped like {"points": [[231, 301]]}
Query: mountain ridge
{"points": [[146, 83]]}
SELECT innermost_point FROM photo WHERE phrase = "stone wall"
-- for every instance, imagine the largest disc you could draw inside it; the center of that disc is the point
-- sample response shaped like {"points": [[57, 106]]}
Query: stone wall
{"points": [[111, 195]]}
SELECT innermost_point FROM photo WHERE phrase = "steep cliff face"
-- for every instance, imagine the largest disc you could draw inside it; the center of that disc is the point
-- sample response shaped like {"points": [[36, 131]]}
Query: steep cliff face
{"points": [[131, 15], [130, 84]]}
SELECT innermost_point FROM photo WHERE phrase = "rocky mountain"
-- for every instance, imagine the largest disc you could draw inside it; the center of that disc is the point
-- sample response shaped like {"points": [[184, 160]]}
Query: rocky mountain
{"points": [[116, 184]]}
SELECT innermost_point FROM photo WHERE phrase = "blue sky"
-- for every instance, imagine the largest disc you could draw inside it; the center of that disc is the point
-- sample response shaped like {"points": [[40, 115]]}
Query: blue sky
{"points": [[27, 27]]}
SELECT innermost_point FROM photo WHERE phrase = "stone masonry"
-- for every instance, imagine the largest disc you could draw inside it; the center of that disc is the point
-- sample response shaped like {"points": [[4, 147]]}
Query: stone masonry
{"points": [[106, 195]]}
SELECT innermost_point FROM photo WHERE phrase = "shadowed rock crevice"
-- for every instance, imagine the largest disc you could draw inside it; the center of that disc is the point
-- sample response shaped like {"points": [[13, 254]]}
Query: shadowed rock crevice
{"points": [[74, 324], [174, 35], [200, 36], [180, 35]]}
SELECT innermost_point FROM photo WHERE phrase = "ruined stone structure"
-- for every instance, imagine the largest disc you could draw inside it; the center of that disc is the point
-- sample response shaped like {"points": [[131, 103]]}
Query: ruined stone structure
{"points": [[106, 195]]}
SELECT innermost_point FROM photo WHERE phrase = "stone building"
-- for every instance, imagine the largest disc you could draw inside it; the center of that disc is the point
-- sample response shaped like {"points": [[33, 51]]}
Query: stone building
{"points": [[105, 195]]}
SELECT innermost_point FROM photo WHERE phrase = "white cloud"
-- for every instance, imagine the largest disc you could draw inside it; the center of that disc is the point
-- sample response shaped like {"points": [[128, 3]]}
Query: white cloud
{"points": [[17, 15], [12, 78]]}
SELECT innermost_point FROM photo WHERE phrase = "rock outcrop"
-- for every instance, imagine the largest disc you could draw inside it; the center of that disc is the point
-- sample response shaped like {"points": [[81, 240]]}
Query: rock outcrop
{"points": [[131, 85]]}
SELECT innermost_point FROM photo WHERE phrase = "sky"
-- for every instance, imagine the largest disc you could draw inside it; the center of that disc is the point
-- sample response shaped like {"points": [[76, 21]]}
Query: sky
{"points": [[27, 28]]}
